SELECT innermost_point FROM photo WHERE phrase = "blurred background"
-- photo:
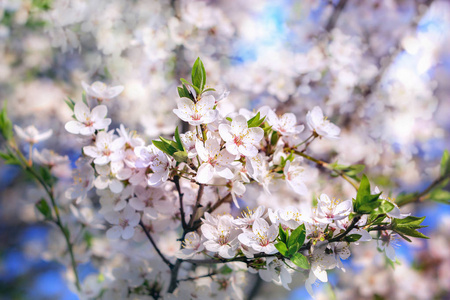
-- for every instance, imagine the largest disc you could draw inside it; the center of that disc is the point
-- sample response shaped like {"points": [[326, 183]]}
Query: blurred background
{"points": [[379, 68]]}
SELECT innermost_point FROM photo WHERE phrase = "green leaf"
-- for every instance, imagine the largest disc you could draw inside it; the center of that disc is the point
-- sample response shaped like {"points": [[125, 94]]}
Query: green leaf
{"points": [[9, 158], [209, 90], [44, 209], [255, 121], [47, 176], [445, 164], [180, 156], [441, 196], [365, 202], [165, 147], [297, 236], [84, 98], [300, 260], [70, 103], [281, 247], [282, 234], [6, 126], [352, 238], [408, 226], [229, 119], [274, 138], [178, 140], [293, 249], [225, 270], [198, 75]]}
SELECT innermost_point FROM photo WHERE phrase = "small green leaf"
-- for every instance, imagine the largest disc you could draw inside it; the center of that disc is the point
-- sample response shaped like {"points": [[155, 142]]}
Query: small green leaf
{"points": [[165, 147], [293, 248], [408, 226], [9, 158], [198, 75], [297, 236], [281, 247], [180, 156], [226, 270], [274, 138], [70, 103], [256, 121], [84, 98], [180, 145], [445, 163], [44, 209], [300, 260], [282, 234], [352, 238], [441, 196], [229, 119], [6, 126]]}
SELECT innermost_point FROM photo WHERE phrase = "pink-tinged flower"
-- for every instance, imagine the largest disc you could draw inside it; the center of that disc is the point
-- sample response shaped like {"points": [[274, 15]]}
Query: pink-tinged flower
{"points": [[286, 124], [319, 124], [88, 121], [387, 242], [49, 158], [106, 148], [261, 237], [221, 238], [101, 91], [329, 210], [215, 161], [83, 181], [124, 222], [320, 262], [202, 112], [31, 134], [239, 138], [295, 176], [158, 162]]}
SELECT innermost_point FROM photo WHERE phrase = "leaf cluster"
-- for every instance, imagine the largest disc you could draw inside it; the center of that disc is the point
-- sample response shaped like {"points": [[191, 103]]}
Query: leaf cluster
{"points": [[289, 245]]}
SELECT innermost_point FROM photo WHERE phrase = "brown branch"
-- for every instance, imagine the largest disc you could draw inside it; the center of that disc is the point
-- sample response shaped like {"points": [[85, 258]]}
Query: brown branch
{"points": [[335, 15], [418, 197], [176, 180]]}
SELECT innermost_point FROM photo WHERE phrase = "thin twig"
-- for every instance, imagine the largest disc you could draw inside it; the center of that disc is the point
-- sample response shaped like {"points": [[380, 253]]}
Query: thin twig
{"points": [[198, 277], [166, 261], [335, 15], [176, 180]]}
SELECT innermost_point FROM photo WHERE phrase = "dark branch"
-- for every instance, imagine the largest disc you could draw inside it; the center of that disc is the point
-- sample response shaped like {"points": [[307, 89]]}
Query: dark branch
{"points": [[166, 261]]}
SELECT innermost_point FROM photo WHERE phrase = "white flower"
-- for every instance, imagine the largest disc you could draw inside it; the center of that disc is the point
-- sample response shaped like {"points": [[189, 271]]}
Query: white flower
{"points": [[189, 140], [331, 210], [394, 213], [88, 121], [294, 174], [320, 262], [124, 222], [215, 161], [106, 148], [387, 242], [239, 138], [31, 134], [107, 180], [286, 125], [202, 112], [276, 271], [365, 236], [83, 181], [291, 217], [249, 216], [221, 238], [49, 158], [261, 237], [101, 91], [319, 124], [154, 158], [192, 245]]}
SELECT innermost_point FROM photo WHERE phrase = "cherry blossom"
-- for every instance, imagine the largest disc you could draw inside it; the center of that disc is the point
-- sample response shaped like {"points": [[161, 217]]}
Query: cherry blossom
{"points": [[320, 125], [106, 148], [87, 121], [239, 139], [221, 238], [125, 223], [215, 161], [201, 112], [329, 210], [295, 176], [261, 237], [286, 125], [31, 135], [101, 91]]}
